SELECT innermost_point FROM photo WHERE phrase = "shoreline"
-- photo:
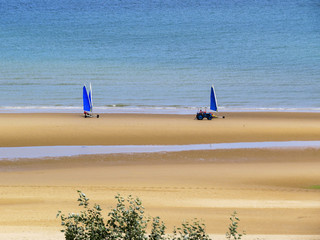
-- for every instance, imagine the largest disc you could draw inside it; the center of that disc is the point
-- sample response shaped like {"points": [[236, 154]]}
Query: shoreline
{"points": [[162, 110]]}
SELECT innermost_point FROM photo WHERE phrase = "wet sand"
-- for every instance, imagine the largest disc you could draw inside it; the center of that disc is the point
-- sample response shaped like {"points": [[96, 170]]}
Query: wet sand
{"points": [[271, 189]]}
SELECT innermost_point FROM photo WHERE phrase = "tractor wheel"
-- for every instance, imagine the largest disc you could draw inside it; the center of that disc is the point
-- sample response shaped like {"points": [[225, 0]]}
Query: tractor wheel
{"points": [[199, 117], [209, 117]]}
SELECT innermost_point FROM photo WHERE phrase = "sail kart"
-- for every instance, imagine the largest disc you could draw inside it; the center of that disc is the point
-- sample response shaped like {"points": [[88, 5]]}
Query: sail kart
{"points": [[87, 102]]}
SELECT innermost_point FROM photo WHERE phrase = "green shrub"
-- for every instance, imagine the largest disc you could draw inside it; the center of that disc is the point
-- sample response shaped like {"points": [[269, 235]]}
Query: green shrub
{"points": [[158, 230], [192, 231], [88, 225], [233, 228], [128, 222]]}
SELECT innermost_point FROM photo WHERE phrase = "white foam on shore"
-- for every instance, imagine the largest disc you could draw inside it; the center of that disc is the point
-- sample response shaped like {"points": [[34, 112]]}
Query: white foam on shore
{"points": [[145, 109], [12, 153]]}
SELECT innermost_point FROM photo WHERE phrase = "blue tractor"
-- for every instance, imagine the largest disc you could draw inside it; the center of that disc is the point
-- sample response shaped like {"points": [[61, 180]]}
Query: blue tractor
{"points": [[201, 115]]}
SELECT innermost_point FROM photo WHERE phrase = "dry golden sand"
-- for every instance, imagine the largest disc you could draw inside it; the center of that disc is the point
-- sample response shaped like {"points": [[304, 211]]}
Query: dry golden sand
{"points": [[128, 129], [269, 188]]}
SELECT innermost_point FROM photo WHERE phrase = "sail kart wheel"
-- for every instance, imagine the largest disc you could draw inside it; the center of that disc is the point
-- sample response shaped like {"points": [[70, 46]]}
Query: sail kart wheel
{"points": [[199, 116]]}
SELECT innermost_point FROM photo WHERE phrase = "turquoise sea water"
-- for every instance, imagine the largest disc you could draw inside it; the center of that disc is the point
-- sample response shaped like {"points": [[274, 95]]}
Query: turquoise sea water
{"points": [[155, 54]]}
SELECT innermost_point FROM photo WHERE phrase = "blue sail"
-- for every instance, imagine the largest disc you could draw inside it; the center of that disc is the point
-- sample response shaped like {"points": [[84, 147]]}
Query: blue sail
{"points": [[86, 101], [213, 100], [90, 97], [90, 101]]}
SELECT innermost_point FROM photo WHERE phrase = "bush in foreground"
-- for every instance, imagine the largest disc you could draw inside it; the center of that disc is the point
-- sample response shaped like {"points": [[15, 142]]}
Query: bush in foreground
{"points": [[128, 222], [232, 233]]}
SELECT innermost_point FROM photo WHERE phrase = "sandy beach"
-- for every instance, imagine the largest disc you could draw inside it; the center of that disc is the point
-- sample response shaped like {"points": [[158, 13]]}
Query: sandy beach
{"points": [[274, 191]]}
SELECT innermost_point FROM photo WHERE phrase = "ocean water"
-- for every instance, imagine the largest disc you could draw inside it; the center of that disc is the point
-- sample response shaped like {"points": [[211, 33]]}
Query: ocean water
{"points": [[160, 54]]}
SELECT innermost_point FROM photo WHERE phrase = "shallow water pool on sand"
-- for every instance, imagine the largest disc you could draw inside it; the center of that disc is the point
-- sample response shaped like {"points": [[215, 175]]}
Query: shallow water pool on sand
{"points": [[12, 153]]}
